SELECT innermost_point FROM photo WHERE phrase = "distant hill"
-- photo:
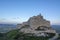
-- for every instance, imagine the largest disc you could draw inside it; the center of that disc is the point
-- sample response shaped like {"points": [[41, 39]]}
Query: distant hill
{"points": [[56, 27], [7, 27]]}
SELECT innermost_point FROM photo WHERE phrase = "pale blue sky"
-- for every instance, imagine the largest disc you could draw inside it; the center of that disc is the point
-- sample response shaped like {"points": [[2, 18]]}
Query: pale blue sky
{"points": [[16, 11]]}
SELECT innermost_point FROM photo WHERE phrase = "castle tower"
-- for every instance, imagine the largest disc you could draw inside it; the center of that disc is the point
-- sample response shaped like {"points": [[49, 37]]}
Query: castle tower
{"points": [[40, 16]]}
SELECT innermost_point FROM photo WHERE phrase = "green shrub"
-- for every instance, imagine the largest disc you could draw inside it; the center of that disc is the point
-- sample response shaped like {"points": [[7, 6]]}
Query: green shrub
{"points": [[16, 35], [12, 34]]}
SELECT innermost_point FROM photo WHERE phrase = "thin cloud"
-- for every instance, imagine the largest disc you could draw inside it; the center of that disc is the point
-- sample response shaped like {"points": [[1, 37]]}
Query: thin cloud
{"points": [[55, 22]]}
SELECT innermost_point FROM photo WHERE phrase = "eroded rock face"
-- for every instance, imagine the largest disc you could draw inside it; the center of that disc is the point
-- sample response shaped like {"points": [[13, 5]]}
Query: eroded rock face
{"points": [[37, 21], [36, 24]]}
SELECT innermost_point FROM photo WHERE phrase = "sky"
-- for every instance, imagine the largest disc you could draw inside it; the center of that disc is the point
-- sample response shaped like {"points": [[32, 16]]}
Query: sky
{"points": [[18, 11]]}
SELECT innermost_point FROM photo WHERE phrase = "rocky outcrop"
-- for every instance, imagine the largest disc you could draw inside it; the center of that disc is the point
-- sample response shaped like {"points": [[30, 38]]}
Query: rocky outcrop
{"points": [[37, 21], [37, 25]]}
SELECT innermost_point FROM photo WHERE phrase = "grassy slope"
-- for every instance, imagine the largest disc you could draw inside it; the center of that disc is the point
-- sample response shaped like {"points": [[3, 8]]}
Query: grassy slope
{"points": [[15, 35]]}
